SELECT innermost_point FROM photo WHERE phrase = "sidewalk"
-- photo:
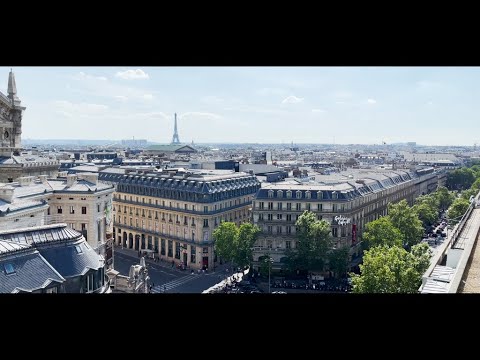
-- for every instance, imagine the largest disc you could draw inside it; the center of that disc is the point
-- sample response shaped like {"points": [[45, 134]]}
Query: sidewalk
{"points": [[219, 269]]}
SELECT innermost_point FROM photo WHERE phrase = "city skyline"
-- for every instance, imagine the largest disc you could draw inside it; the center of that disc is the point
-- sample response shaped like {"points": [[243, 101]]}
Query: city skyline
{"points": [[324, 105]]}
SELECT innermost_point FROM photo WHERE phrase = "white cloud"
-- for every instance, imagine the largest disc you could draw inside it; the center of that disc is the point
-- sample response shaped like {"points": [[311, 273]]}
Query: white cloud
{"points": [[430, 103], [83, 76], [194, 114], [148, 96], [64, 106], [132, 74], [292, 100], [318, 111], [371, 101], [121, 98], [343, 94]]}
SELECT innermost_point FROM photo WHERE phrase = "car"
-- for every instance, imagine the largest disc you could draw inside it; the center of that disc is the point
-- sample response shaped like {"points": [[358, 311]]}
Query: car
{"points": [[279, 292]]}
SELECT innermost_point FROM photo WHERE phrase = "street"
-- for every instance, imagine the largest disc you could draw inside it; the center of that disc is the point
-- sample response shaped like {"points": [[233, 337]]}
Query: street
{"points": [[163, 276]]}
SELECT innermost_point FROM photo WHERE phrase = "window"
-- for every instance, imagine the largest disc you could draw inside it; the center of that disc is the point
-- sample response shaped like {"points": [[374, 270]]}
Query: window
{"points": [[205, 222], [289, 206], [59, 209], [279, 216], [289, 194], [298, 194], [334, 195], [9, 269], [269, 229], [298, 206], [279, 206], [308, 206], [205, 250], [289, 231], [177, 250], [279, 229], [334, 208], [72, 210], [193, 207], [162, 247], [343, 231], [261, 205], [205, 209], [319, 207], [170, 248], [260, 217], [288, 244], [48, 211], [334, 232], [270, 193], [320, 195], [78, 248], [193, 254], [269, 217], [269, 244], [308, 194], [193, 235], [98, 207], [289, 217], [270, 206], [280, 194]]}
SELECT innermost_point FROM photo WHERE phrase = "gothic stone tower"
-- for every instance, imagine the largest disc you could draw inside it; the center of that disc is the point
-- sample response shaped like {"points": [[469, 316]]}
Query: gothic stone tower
{"points": [[10, 119]]}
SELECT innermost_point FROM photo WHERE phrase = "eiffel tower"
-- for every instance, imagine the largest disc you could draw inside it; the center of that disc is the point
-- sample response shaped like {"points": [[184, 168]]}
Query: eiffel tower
{"points": [[175, 139]]}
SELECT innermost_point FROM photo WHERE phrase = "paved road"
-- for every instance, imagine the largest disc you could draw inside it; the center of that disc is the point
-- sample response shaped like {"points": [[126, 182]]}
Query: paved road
{"points": [[162, 274]]}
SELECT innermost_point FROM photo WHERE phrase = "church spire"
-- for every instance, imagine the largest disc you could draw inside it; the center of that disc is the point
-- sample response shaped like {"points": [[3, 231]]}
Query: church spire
{"points": [[12, 87]]}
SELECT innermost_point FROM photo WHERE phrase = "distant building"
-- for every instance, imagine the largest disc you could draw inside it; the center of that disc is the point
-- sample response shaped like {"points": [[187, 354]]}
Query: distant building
{"points": [[49, 259], [166, 150], [134, 143]]}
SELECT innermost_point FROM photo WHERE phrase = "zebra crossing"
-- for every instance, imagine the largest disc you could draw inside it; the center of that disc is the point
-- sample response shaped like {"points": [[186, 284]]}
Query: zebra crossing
{"points": [[172, 284]]}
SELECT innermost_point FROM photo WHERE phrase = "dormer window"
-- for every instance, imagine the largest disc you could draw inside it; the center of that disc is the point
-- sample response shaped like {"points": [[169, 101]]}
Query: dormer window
{"points": [[334, 195], [279, 194], [298, 194], [320, 195], [289, 194], [308, 195], [270, 193]]}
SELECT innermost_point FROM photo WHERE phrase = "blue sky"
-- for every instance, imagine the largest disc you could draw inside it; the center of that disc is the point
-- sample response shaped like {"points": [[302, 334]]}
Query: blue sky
{"points": [[367, 105]]}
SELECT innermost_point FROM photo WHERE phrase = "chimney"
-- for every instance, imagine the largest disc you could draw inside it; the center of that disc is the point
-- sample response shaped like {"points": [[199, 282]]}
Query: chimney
{"points": [[90, 177], [6, 193], [25, 180], [43, 178], [71, 179]]}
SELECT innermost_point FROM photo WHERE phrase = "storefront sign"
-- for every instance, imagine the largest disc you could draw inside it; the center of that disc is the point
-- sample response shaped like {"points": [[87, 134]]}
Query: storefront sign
{"points": [[342, 220]]}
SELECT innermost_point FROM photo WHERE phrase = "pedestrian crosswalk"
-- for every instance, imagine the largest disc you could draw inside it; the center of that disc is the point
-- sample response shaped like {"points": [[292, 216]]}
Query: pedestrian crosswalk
{"points": [[172, 284]]}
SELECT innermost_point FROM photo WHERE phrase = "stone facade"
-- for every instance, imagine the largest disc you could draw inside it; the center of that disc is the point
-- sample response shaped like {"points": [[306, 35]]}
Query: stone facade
{"points": [[174, 215]]}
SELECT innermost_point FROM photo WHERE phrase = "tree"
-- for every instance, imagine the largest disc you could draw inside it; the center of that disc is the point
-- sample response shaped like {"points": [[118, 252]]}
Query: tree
{"points": [[234, 243], [265, 265], [338, 260], [392, 270], [313, 243], [247, 236], [458, 209], [405, 219], [444, 197], [466, 194], [460, 179], [382, 232], [225, 237], [426, 208]]}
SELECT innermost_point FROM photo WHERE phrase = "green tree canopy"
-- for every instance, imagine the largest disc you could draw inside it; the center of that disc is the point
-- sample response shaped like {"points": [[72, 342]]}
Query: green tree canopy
{"points": [[247, 235], [392, 270], [234, 243], [382, 232], [457, 209], [405, 219], [225, 237], [338, 260], [460, 179], [426, 208], [444, 197], [313, 243]]}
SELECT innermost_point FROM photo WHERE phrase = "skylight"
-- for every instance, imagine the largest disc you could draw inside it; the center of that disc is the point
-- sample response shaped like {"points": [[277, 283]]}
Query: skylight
{"points": [[9, 269], [79, 249]]}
